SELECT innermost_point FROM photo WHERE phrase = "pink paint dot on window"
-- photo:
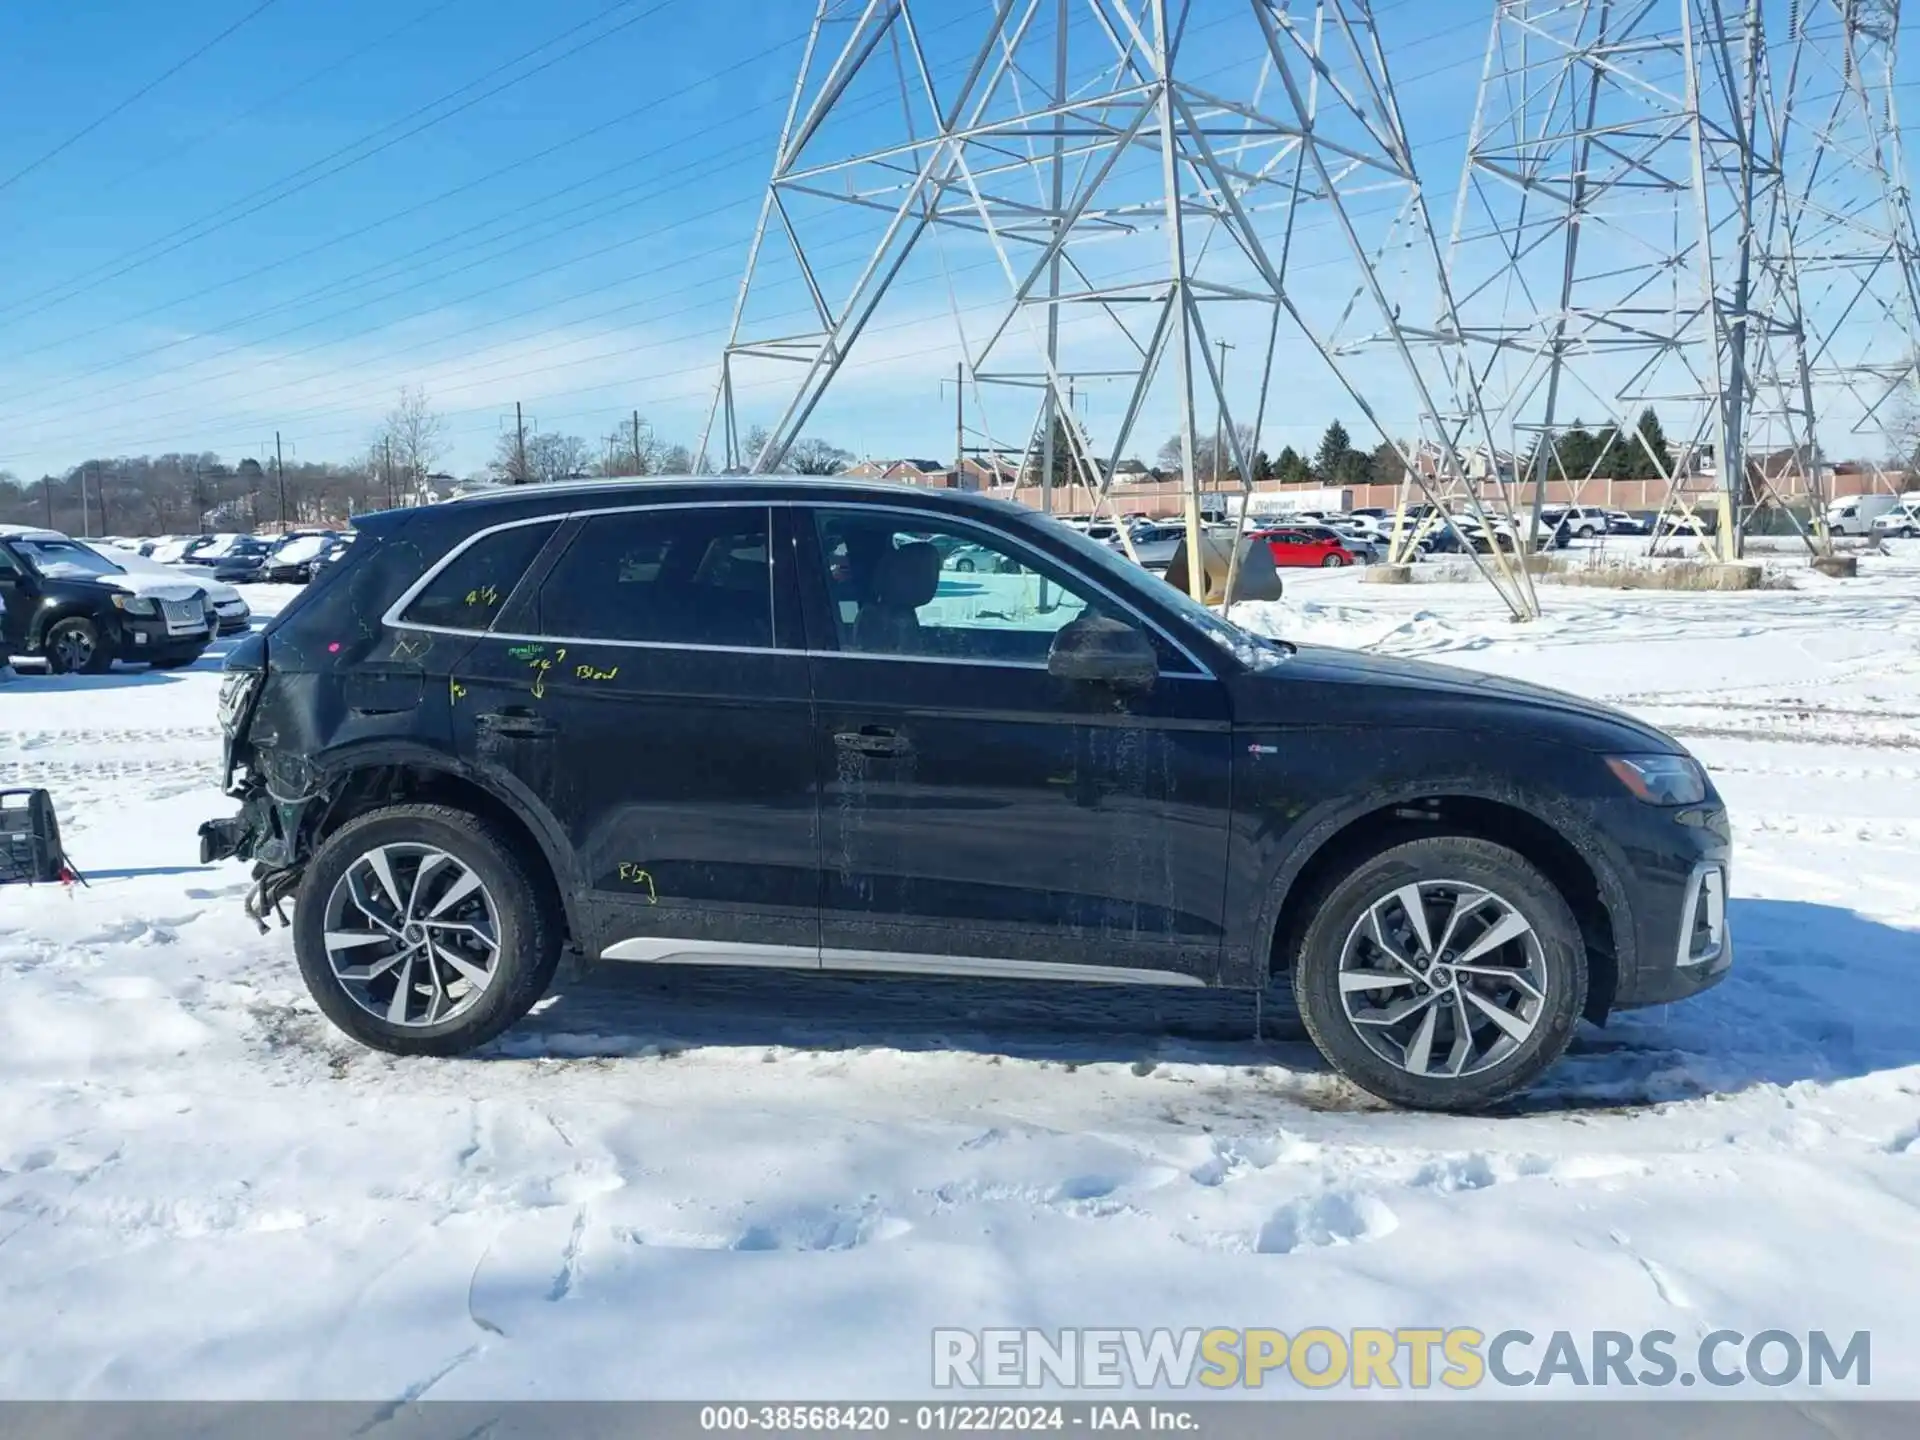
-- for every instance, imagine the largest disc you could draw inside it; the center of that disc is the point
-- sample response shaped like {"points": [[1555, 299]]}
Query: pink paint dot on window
{"points": [[334, 648]]}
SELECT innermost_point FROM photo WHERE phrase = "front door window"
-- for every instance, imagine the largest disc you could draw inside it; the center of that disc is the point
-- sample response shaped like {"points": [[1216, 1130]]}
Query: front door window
{"points": [[901, 586]]}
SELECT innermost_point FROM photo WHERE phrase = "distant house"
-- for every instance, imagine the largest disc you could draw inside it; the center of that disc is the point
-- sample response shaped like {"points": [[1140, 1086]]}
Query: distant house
{"points": [[907, 472]]}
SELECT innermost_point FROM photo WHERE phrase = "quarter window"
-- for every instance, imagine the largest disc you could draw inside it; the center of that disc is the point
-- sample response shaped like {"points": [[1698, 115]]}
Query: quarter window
{"points": [[474, 586], [672, 577], [897, 586]]}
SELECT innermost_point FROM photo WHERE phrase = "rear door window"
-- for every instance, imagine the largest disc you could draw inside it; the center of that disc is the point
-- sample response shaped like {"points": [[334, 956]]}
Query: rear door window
{"points": [[665, 577], [473, 588]]}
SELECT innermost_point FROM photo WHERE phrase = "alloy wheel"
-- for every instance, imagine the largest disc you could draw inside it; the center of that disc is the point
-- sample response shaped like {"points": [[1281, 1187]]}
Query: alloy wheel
{"points": [[73, 648], [1441, 978], [412, 935]]}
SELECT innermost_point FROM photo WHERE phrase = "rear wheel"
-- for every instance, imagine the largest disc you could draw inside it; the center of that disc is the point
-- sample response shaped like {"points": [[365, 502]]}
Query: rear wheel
{"points": [[1443, 974], [421, 930], [963, 565], [75, 647]]}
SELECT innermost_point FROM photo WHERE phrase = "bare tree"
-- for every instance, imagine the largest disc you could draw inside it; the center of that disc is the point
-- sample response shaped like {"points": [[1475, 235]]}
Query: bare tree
{"points": [[810, 456], [629, 450], [1210, 466], [415, 436], [549, 456]]}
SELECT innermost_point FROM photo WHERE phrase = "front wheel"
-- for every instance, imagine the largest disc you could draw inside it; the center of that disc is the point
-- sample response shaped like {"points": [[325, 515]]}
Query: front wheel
{"points": [[422, 930], [1442, 974], [75, 647], [1332, 562]]}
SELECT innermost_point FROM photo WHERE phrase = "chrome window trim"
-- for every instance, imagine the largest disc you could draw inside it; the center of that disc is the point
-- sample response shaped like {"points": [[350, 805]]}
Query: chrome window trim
{"points": [[392, 618], [394, 612]]}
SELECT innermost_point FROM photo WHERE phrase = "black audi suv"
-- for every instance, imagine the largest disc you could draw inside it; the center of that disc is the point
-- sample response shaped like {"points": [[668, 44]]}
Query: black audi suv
{"points": [[774, 722]]}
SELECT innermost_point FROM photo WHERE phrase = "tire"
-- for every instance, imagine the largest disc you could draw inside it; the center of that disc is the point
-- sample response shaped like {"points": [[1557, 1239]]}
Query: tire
{"points": [[75, 646], [1332, 562], [523, 918], [963, 565], [1497, 1065]]}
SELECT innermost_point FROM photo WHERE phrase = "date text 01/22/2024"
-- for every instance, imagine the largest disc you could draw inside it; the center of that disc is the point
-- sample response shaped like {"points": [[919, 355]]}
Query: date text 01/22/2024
{"points": [[961, 1418]]}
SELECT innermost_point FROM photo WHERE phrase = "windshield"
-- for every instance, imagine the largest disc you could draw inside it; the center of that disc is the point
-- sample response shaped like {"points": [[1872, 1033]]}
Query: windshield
{"points": [[1256, 652], [58, 558]]}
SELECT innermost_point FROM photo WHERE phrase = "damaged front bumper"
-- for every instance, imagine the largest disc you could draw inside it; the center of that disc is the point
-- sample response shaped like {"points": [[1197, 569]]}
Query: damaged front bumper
{"points": [[264, 832]]}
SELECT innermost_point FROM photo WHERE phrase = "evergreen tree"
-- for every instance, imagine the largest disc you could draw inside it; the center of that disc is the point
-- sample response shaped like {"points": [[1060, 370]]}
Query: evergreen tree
{"points": [[1389, 467], [1335, 445], [1653, 457], [1290, 469]]}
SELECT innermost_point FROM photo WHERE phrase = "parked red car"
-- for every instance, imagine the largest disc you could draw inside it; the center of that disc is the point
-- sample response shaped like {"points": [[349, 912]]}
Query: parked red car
{"points": [[1301, 546]]}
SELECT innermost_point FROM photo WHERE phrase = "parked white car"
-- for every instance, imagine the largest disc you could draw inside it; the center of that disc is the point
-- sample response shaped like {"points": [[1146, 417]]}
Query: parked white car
{"points": [[229, 604]]}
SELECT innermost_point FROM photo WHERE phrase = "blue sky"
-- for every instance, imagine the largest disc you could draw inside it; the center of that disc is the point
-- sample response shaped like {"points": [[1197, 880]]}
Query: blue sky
{"points": [[492, 200]]}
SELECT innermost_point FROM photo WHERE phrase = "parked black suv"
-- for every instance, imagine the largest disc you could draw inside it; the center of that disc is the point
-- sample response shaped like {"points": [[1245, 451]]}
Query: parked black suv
{"points": [[759, 722], [76, 609]]}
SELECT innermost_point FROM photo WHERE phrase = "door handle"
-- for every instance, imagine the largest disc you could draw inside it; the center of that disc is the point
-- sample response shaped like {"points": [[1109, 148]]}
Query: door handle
{"points": [[872, 740], [516, 724]]}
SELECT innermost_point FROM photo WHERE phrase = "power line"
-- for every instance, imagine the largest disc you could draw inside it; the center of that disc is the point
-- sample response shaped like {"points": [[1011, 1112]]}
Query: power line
{"points": [[514, 212], [242, 208], [133, 99], [705, 162], [277, 97], [702, 165]]}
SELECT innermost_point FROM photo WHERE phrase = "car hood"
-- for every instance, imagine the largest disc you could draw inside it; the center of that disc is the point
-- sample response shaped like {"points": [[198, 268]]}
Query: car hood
{"points": [[1320, 685], [155, 587]]}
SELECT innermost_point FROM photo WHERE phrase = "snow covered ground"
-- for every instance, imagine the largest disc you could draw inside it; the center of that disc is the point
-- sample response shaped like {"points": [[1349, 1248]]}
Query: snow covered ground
{"points": [[708, 1185]]}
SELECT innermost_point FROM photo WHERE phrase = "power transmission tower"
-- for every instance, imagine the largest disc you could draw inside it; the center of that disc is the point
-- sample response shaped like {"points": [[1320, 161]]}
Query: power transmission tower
{"points": [[1603, 255], [1138, 182], [1844, 240]]}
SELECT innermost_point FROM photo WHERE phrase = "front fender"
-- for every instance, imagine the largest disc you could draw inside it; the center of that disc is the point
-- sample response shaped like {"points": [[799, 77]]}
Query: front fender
{"points": [[1287, 816], [48, 613]]}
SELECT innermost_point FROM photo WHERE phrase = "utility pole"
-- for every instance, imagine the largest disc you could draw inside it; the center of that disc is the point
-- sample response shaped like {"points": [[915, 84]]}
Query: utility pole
{"points": [[280, 474], [519, 445], [86, 512], [199, 499], [959, 422], [1220, 417], [636, 443], [389, 470], [46, 489]]}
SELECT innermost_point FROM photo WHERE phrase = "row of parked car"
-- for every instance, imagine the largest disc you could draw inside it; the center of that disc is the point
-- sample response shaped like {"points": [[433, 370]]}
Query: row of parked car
{"points": [[1318, 539], [289, 559], [78, 605]]}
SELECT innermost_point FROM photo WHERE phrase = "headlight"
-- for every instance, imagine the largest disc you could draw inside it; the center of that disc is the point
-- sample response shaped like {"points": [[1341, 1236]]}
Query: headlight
{"points": [[236, 689], [136, 604], [1661, 779]]}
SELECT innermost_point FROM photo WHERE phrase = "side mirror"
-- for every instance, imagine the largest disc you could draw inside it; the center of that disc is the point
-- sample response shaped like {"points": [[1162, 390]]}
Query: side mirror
{"points": [[1109, 652]]}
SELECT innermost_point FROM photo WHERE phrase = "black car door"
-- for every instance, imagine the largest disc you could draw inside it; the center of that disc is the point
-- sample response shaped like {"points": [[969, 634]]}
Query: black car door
{"points": [[16, 603], [640, 693], [979, 814]]}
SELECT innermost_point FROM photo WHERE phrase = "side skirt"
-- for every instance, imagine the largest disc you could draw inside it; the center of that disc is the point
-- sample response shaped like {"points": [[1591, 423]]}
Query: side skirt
{"points": [[661, 951]]}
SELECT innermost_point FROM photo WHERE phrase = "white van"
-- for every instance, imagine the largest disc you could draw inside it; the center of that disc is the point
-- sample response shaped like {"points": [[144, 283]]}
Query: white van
{"points": [[1855, 514]]}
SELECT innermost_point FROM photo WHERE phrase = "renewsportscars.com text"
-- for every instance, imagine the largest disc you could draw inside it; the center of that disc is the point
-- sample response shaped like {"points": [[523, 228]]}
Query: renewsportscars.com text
{"points": [[1457, 1358]]}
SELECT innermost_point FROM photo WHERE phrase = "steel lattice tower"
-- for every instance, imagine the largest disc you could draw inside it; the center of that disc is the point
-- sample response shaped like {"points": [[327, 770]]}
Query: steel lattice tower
{"points": [[1840, 253], [1141, 179], [1602, 255]]}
